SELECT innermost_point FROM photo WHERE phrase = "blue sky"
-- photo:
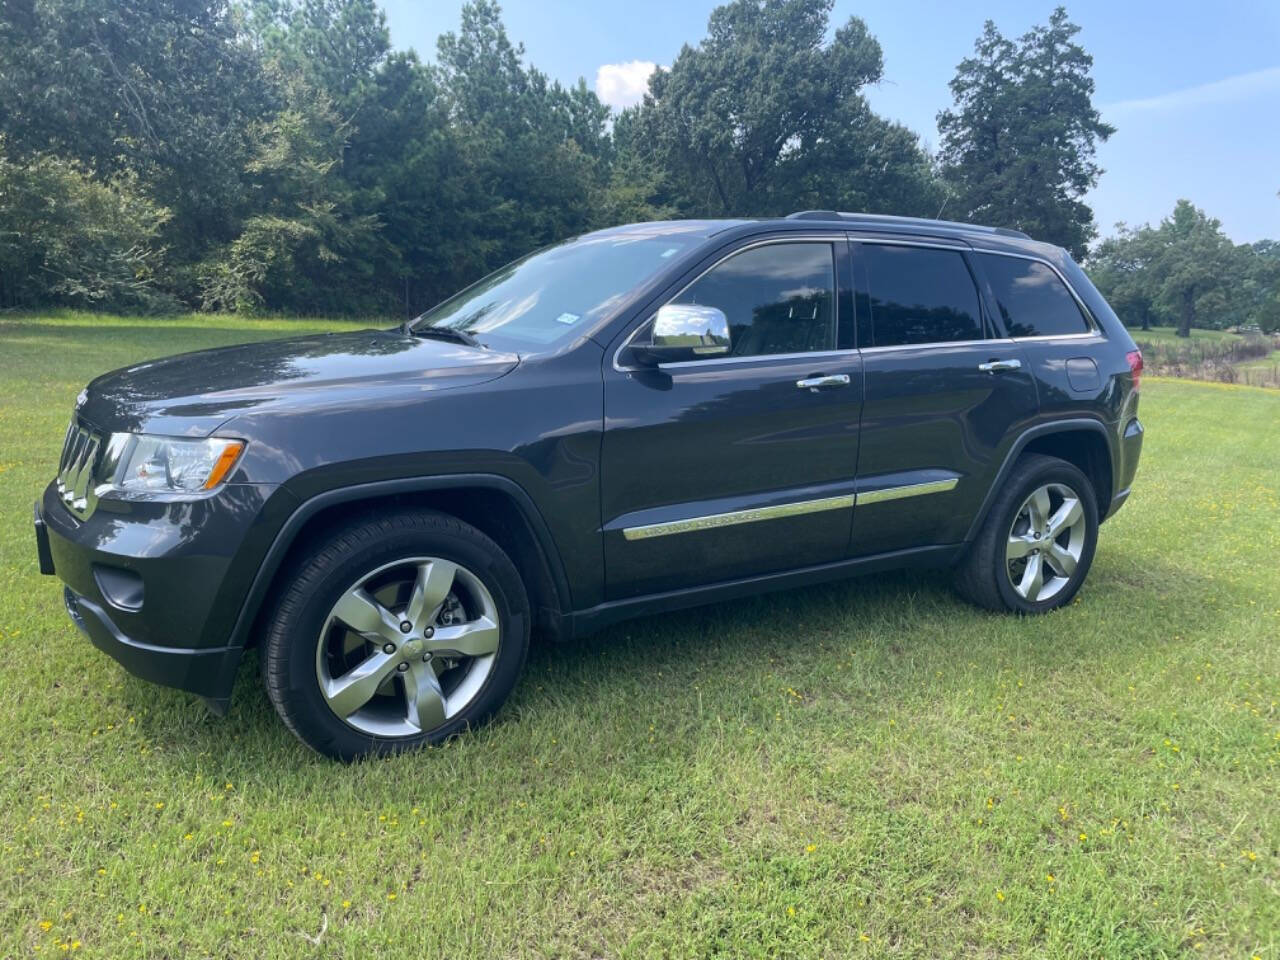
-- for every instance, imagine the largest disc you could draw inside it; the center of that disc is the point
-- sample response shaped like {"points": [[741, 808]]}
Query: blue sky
{"points": [[1193, 88]]}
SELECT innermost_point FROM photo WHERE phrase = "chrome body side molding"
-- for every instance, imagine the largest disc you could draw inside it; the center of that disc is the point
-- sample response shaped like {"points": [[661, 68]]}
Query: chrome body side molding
{"points": [[795, 508]]}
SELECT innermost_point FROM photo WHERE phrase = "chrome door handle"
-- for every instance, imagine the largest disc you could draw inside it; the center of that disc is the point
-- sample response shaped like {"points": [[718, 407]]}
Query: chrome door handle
{"points": [[995, 366], [828, 380]]}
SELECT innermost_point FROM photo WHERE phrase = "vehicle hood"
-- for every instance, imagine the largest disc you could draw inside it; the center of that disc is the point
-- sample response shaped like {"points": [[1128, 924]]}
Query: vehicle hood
{"points": [[191, 394]]}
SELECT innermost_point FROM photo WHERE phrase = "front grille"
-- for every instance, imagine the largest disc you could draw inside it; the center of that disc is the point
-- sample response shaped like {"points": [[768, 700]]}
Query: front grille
{"points": [[76, 468]]}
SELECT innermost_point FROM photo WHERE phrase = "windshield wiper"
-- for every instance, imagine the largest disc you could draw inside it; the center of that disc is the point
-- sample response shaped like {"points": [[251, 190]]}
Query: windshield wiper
{"points": [[441, 333]]}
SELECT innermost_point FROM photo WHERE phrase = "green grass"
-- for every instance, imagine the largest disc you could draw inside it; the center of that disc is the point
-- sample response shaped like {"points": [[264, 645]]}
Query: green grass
{"points": [[1170, 335], [863, 769]]}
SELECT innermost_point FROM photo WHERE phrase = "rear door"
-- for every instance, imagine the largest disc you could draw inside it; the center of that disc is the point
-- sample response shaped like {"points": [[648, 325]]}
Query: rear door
{"points": [[720, 468], [945, 393]]}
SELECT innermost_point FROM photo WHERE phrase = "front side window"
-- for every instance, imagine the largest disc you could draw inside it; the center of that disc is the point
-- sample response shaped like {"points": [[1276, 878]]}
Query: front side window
{"points": [[1031, 298], [778, 298], [919, 295]]}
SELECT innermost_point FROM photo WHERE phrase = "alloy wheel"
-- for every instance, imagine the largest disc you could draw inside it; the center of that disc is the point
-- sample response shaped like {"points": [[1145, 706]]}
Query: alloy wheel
{"points": [[407, 646], [1045, 542]]}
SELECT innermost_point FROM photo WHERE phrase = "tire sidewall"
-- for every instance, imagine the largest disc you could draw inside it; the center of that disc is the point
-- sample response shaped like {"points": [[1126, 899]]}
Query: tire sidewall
{"points": [[295, 638], [1041, 474]]}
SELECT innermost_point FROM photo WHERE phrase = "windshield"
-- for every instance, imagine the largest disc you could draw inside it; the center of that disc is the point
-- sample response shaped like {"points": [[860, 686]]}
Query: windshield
{"points": [[556, 292]]}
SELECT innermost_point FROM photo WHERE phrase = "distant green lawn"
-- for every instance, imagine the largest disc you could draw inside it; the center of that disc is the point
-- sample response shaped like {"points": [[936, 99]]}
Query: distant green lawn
{"points": [[864, 769], [1170, 335]]}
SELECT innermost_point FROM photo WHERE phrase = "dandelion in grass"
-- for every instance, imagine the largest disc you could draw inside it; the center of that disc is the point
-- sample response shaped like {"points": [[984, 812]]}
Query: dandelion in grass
{"points": [[1000, 895]]}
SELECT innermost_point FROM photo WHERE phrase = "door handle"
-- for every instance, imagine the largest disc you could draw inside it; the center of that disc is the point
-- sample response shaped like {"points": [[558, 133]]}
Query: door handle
{"points": [[825, 380], [995, 366]]}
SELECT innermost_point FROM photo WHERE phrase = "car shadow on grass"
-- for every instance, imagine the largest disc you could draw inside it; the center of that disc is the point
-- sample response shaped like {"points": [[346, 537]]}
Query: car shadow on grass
{"points": [[898, 617]]}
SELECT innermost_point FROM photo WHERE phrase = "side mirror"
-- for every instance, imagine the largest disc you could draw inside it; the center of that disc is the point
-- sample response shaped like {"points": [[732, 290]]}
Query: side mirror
{"points": [[684, 332]]}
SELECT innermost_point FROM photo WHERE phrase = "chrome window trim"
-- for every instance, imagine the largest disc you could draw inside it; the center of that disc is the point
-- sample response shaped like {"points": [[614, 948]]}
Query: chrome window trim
{"points": [[938, 345], [720, 361], [713, 521], [958, 245], [828, 238], [908, 490], [1090, 321]]}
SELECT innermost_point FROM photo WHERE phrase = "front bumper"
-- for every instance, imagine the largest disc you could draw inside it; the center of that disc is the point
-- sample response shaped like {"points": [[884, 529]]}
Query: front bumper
{"points": [[209, 673], [159, 586]]}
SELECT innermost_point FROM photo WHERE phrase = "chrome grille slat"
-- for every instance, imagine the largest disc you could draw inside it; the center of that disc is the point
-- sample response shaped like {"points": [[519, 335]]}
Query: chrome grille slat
{"points": [[75, 469]]}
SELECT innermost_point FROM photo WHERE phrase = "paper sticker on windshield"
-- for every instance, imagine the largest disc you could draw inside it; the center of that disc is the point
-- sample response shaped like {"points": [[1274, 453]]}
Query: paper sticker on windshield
{"points": [[668, 253], [568, 318]]}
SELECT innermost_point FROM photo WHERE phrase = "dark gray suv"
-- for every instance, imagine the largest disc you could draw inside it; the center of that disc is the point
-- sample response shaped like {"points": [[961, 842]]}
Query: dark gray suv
{"points": [[635, 420]]}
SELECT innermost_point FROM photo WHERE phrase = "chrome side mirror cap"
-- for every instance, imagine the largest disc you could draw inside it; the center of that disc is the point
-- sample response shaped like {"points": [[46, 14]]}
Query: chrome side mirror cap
{"points": [[684, 332]]}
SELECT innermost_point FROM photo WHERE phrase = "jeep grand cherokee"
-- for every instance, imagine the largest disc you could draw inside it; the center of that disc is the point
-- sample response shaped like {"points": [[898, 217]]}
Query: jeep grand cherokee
{"points": [[632, 421]]}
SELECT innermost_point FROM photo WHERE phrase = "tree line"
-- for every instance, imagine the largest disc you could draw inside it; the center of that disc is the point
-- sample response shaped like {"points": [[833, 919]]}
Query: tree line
{"points": [[279, 155]]}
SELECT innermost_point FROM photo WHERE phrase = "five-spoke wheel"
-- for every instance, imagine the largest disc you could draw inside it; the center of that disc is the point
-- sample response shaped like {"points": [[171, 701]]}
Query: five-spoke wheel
{"points": [[1045, 542], [393, 631], [1035, 546], [407, 646]]}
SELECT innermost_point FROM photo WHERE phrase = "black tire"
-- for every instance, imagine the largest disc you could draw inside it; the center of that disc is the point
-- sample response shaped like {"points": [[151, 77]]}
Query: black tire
{"points": [[983, 576], [325, 572]]}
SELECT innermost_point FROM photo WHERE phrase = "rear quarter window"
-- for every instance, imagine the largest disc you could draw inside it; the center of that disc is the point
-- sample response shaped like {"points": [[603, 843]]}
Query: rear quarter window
{"points": [[1032, 300]]}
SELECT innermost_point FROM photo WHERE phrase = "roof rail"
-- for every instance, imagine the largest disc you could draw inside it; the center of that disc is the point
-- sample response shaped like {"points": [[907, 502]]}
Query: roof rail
{"points": [[906, 221]]}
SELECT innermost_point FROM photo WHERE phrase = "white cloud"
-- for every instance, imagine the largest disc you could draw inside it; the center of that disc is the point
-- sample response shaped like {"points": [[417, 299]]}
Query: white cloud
{"points": [[623, 84], [1245, 86]]}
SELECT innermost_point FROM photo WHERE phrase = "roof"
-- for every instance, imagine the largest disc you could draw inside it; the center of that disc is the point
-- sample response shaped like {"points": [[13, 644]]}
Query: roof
{"points": [[882, 219], [991, 238]]}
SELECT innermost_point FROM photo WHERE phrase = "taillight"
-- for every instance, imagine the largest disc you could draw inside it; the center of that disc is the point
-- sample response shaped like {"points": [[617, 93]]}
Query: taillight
{"points": [[1135, 367]]}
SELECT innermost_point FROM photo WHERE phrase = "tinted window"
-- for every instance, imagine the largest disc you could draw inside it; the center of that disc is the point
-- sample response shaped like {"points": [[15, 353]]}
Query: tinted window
{"points": [[1031, 298], [919, 295], [779, 298]]}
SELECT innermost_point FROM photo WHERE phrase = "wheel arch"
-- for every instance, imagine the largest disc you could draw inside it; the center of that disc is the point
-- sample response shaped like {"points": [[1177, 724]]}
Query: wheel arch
{"points": [[497, 506], [1083, 442]]}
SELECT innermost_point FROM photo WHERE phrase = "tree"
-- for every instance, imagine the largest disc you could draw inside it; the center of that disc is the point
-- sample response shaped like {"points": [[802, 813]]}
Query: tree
{"points": [[531, 155], [336, 45], [766, 116], [164, 90], [67, 237], [307, 248], [1018, 146], [1190, 264], [1120, 268]]}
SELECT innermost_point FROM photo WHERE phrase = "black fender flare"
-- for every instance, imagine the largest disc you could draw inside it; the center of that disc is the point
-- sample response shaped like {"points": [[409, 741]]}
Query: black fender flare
{"points": [[1074, 425], [297, 520]]}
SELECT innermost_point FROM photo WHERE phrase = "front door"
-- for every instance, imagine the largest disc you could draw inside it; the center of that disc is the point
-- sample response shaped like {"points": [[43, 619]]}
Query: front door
{"points": [[720, 468], [944, 393]]}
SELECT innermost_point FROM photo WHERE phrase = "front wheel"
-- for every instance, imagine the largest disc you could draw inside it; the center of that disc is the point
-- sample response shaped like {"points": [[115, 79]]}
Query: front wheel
{"points": [[1036, 546], [397, 631]]}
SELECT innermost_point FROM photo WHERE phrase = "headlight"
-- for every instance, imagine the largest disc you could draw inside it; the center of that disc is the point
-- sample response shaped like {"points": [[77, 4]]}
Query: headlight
{"points": [[139, 462]]}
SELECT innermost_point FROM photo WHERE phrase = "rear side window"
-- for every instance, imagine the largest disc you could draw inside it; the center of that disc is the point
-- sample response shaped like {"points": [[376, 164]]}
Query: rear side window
{"points": [[779, 298], [919, 295], [1031, 298]]}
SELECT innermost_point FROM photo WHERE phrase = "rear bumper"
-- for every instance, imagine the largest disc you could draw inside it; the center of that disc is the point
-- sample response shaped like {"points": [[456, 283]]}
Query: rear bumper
{"points": [[1130, 450]]}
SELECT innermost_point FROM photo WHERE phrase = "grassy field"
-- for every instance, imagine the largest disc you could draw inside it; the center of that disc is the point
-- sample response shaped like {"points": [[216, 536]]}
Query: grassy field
{"points": [[863, 769]]}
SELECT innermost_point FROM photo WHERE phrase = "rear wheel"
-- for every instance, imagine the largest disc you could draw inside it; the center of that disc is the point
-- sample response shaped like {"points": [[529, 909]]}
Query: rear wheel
{"points": [[1036, 546], [398, 631]]}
